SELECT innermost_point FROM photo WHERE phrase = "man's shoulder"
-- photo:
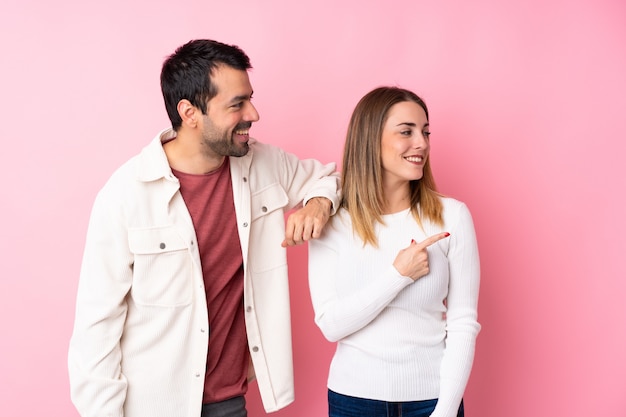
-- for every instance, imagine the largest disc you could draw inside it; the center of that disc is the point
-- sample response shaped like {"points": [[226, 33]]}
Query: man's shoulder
{"points": [[148, 164], [265, 153], [129, 172], [121, 178], [258, 146]]}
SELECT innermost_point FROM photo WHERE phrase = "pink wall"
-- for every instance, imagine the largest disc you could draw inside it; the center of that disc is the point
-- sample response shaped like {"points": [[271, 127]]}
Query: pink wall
{"points": [[527, 106]]}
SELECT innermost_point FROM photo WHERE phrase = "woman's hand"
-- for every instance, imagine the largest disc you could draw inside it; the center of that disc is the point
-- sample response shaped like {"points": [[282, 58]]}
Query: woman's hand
{"points": [[413, 261]]}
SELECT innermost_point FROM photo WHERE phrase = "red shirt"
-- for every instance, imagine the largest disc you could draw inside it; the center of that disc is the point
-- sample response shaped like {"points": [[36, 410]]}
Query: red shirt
{"points": [[209, 199]]}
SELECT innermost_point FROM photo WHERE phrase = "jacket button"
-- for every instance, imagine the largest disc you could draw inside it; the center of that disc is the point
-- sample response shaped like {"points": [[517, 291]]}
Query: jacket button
{"points": [[255, 349], [248, 309], [162, 245], [245, 179], [264, 209], [245, 224]]}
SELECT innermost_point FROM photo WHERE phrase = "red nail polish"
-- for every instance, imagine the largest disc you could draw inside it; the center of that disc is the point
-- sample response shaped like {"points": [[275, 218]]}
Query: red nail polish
{"points": [[447, 234], [412, 241]]}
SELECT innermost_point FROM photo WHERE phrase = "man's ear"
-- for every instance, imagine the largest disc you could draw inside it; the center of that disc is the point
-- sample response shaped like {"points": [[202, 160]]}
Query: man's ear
{"points": [[188, 113]]}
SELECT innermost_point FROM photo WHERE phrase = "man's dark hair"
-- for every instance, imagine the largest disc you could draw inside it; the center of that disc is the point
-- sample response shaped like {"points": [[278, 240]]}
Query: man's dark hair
{"points": [[186, 74]]}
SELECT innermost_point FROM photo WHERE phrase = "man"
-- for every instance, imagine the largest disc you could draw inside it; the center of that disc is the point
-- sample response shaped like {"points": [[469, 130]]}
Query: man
{"points": [[183, 289]]}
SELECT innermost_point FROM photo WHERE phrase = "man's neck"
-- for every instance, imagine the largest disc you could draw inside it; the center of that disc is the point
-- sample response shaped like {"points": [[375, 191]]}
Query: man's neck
{"points": [[185, 156]]}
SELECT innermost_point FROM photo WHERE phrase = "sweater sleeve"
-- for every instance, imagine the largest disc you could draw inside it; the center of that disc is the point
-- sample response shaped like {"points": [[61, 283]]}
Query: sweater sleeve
{"points": [[338, 317], [462, 326]]}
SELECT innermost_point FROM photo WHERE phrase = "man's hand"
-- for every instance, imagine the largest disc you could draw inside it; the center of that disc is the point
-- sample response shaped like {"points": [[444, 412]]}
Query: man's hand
{"points": [[307, 223]]}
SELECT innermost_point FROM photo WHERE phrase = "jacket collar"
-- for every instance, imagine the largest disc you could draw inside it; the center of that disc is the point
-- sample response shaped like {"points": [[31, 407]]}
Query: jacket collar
{"points": [[153, 163]]}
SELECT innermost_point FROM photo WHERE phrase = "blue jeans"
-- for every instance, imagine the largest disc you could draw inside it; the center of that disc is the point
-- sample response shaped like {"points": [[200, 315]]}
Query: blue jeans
{"points": [[234, 407], [345, 406]]}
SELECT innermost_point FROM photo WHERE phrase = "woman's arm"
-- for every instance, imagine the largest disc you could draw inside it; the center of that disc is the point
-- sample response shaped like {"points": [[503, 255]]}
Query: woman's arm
{"points": [[462, 326]]}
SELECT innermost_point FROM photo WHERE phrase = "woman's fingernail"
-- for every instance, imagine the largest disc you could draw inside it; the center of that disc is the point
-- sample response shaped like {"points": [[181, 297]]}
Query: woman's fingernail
{"points": [[447, 234], [412, 241]]}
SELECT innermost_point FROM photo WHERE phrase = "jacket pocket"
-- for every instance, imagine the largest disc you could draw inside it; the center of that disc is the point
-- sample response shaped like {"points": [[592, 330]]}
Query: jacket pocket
{"points": [[163, 267], [268, 200], [268, 228]]}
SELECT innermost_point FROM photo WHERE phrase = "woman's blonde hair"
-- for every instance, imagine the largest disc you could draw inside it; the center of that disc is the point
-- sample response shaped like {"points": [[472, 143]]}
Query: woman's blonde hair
{"points": [[362, 184]]}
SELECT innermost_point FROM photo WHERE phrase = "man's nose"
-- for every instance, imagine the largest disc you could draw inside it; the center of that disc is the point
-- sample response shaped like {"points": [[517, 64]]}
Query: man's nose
{"points": [[251, 115]]}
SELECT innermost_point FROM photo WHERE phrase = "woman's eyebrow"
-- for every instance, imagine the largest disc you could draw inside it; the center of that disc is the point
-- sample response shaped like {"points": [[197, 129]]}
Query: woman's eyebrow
{"points": [[411, 124]]}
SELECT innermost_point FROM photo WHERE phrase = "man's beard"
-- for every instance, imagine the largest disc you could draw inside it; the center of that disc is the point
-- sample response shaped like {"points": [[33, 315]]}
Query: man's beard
{"points": [[222, 143]]}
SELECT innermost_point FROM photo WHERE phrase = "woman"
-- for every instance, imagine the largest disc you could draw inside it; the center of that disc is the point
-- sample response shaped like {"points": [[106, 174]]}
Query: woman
{"points": [[404, 317]]}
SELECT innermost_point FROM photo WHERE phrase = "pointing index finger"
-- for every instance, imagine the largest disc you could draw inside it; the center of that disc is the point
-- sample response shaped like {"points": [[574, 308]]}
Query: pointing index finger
{"points": [[433, 239]]}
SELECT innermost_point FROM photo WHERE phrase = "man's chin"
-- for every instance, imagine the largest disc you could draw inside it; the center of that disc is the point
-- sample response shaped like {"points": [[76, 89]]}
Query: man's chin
{"points": [[240, 150]]}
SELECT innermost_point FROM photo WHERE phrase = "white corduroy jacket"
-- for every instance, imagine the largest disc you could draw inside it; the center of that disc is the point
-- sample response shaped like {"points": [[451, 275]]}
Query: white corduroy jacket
{"points": [[140, 339]]}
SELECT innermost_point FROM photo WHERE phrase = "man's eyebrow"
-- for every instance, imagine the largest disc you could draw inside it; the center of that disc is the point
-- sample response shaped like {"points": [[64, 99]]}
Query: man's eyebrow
{"points": [[241, 97]]}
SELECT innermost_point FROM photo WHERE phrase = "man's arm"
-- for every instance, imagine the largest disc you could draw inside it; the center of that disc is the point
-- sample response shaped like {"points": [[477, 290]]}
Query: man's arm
{"points": [[318, 187], [97, 384]]}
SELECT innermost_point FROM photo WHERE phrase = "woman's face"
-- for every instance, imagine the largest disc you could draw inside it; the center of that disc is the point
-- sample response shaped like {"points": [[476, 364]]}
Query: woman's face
{"points": [[405, 143]]}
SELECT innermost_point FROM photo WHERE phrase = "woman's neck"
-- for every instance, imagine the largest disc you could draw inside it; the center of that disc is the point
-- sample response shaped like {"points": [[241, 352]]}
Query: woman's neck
{"points": [[397, 198]]}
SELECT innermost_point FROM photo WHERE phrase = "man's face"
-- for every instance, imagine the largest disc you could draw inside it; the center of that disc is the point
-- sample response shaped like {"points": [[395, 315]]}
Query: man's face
{"points": [[229, 114]]}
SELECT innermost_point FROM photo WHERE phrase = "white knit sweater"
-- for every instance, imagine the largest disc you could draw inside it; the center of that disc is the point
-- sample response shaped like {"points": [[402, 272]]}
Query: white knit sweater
{"points": [[397, 340]]}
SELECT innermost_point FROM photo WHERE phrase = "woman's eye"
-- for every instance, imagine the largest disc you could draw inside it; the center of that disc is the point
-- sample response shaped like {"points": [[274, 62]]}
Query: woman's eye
{"points": [[426, 134], [406, 133]]}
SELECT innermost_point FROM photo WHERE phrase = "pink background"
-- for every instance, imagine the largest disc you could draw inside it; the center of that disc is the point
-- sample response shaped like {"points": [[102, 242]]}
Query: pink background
{"points": [[527, 105]]}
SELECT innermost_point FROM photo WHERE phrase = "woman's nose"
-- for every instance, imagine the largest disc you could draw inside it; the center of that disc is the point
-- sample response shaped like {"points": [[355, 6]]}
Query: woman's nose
{"points": [[420, 141]]}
